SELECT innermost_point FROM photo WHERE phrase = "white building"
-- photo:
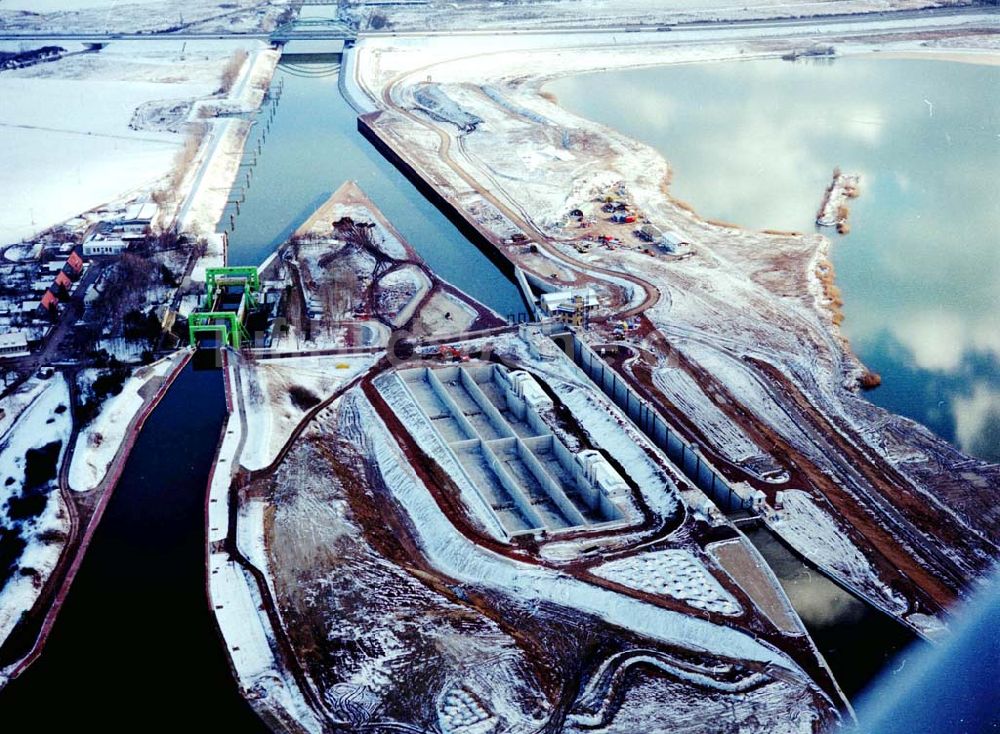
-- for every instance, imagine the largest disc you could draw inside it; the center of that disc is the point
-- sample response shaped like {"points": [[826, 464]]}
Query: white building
{"points": [[601, 474], [671, 240], [138, 217], [563, 304], [13, 344], [101, 246]]}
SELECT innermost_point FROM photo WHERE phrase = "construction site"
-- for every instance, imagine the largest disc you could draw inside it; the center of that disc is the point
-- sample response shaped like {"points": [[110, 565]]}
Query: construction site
{"points": [[495, 425], [497, 478]]}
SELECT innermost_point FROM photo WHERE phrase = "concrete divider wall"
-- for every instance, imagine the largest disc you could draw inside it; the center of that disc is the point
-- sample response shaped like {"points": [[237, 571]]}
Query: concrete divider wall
{"points": [[550, 485], [439, 396], [511, 484], [484, 403], [685, 456], [454, 447], [449, 402]]}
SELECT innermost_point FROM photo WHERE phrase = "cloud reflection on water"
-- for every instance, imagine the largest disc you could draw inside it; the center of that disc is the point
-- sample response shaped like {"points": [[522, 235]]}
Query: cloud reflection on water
{"points": [[755, 142]]}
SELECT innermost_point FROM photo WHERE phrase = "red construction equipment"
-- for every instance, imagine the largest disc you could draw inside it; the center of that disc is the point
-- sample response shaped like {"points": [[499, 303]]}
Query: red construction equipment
{"points": [[449, 352]]}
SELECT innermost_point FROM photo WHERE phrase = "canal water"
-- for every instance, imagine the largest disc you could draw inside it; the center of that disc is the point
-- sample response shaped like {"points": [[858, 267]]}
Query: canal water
{"points": [[755, 143], [858, 642], [311, 148], [135, 643]]}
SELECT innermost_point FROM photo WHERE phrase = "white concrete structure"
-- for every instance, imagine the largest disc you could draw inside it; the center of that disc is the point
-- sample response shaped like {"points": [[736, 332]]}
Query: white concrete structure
{"points": [[526, 388], [13, 344], [479, 422], [564, 302], [601, 474]]}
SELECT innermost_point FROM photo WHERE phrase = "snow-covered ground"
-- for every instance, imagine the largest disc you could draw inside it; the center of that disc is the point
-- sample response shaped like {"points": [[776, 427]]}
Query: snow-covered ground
{"points": [[277, 393], [456, 556], [147, 16], [33, 418], [681, 389], [550, 14], [68, 129], [235, 598], [99, 441], [814, 533], [675, 573]]}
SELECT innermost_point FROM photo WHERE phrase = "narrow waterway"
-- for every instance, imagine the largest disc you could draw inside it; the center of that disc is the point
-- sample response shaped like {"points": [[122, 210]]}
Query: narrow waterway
{"points": [[755, 143], [857, 641], [135, 645], [312, 147]]}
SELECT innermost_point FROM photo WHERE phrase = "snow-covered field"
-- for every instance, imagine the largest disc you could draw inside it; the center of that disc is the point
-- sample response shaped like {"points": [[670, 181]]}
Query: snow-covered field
{"points": [[235, 597], [35, 417], [549, 14], [675, 573], [67, 142], [131, 16], [277, 393], [689, 398], [455, 555], [99, 441]]}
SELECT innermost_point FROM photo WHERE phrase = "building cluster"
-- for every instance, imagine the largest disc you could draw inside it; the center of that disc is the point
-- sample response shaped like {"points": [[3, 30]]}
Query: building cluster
{"points": [[115, 237], [37, 279]]}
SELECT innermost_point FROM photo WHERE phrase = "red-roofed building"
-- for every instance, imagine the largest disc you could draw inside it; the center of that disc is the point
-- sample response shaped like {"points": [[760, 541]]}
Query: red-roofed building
{"points": [[62, 282], [74, 265], [48, 303]]}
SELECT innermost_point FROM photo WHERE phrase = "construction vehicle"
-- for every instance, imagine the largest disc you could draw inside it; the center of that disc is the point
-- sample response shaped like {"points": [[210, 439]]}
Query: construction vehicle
{"points": [[446, 351]]}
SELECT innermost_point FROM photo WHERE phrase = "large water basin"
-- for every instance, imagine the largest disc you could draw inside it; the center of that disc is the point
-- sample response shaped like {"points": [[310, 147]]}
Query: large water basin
{"points": [[755, 143]]}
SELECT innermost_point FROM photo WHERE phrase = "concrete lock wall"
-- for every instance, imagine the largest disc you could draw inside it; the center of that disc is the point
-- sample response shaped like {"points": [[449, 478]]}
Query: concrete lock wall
{"points": [[511, 484], [552, 488], [691, 463], [489, 410]]}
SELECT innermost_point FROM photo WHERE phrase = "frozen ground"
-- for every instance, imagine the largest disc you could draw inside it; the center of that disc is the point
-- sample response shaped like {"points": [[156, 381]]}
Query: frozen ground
{"points": [[691, 400], [31, 506], [455, 555], [676, 573], [404, 656], [68, 145], [131, 16], [277, 393], [419, 652], [554, 14], [679, 707], [99, 441]]}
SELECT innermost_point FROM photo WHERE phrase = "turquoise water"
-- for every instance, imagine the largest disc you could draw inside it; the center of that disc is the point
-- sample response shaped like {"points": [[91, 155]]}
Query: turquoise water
{"points": [[312, 147], [755, 143]]}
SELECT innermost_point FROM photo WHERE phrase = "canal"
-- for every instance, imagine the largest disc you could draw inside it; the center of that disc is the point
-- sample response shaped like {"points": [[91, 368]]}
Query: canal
{"points": [[312, 147], [135, 643], [857, 641]]}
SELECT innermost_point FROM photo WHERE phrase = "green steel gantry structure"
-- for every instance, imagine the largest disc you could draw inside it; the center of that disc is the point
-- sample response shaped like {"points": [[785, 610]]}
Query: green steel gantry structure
{"points": [[222, 319]]}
